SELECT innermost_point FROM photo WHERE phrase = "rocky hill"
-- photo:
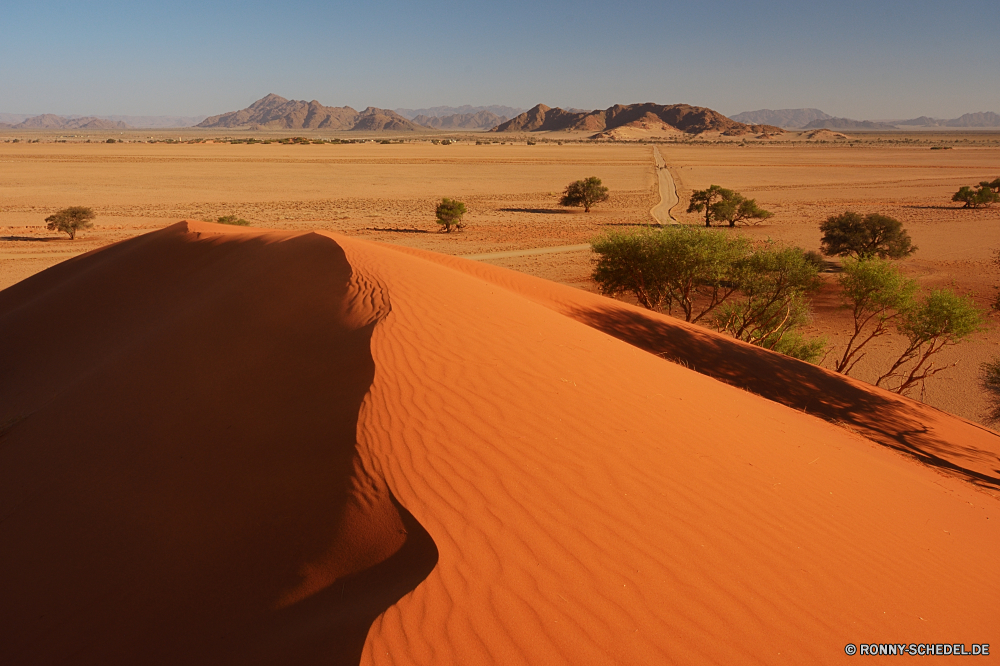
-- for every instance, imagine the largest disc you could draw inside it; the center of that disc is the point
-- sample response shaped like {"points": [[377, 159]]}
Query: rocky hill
{"points": [[986, 119], [653, 117], [793, 118], [848, 124], [275, 112], [465, 121]]}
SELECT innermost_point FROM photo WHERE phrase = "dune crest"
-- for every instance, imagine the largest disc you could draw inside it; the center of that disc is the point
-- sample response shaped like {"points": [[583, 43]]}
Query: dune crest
{"points": [[305, 448]]}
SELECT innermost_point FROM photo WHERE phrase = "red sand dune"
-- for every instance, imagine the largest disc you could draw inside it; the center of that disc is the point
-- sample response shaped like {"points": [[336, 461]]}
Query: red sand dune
{"points": [[230, 446]]}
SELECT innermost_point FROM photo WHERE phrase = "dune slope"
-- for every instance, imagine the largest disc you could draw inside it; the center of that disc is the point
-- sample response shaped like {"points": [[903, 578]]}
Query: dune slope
{"points": [[234, 446]]}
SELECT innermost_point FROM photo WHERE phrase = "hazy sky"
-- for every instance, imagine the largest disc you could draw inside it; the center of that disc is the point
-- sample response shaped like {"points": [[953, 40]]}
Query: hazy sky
{"points": [[873, 59]]}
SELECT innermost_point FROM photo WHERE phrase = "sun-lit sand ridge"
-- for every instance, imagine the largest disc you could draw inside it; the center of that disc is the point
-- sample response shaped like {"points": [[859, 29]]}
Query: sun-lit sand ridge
{"points": [[236, 446]]}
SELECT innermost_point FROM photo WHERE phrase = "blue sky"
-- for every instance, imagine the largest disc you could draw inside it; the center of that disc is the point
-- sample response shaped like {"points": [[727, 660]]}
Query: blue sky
{"points": [[875, 59]]}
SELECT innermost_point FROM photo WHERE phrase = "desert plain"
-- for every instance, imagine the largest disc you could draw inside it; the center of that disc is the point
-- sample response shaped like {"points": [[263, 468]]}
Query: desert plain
{"points": [[387, 193], [339, 444]]}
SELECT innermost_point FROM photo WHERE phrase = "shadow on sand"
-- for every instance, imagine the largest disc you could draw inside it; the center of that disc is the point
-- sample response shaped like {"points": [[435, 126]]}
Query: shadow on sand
{"points": [[879, 416]]}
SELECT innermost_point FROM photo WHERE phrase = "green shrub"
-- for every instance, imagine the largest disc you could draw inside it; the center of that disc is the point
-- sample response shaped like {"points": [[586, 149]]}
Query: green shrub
{"points": [[233, 220], [449, 214]]}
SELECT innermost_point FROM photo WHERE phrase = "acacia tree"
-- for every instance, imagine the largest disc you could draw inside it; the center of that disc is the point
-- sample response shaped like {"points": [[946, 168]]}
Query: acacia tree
{"points": [[702, 200], [771, 306], [983, 195], [943, 318], [878, 295], [71, 220], [584, 193], [449, 214], [684, 266], [737, 208], [873, 235]]}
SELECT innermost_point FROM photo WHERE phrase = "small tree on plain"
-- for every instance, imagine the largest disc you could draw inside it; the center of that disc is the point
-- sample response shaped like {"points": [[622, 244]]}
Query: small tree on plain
{"points": [[873, 235], [737, 208], [983, 195], [878, 295], [449, 214], [943, 318], [702, 200], [71, 220], [584, 193]]}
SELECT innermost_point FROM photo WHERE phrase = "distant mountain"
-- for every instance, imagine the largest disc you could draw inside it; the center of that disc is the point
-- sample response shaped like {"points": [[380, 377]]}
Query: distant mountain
{"points": [[13, 118], [275, 112], [50, 121], [848, 124], [922, 121], [156, 122], [444, 111], [983, 119], [468, 121], [653, 117], [793, 118]]}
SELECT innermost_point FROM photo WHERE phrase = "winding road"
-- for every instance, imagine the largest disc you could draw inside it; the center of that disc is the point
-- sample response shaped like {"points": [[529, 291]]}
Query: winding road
{"points": [[660, 212], [668, 192]]}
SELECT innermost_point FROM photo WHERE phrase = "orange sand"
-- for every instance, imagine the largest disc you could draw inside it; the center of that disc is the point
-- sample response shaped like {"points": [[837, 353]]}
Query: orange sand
{"points": [[232, 446]]}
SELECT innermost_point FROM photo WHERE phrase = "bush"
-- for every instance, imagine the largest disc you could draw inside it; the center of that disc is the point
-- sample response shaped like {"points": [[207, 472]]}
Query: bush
{"points": [[232, 219], [758, 297], [449, 214], [584, 193], [110, 141], [989, 379], [71, 220], [873, 235], [677, 265]]}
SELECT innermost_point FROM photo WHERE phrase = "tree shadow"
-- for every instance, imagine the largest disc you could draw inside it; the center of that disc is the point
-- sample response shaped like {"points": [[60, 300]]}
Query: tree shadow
{"points": [[541, 211], [31, 239], [873, 413], [398, 231]]}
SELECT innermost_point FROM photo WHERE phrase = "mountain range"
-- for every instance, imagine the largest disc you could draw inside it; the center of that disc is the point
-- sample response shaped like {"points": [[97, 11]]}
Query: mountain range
{"points": [[816, 119], [276, 112], [50, 121], [474, 120], [648, 116], [443, 111]]}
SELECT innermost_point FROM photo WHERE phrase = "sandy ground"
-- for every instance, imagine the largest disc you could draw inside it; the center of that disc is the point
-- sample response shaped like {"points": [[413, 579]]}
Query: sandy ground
{"points": [[387, 193], [308, 448]]}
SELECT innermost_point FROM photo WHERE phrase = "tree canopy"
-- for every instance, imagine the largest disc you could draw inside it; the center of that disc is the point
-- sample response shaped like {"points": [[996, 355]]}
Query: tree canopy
{"points": [[723, 205], [71, 220], [449, 214], [874, 235], [584, 193]]}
